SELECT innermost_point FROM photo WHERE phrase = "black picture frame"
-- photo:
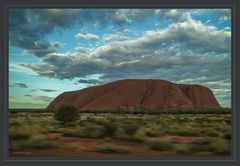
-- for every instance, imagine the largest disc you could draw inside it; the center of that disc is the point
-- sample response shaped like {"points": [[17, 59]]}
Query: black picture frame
{"points": [[232, 4]]}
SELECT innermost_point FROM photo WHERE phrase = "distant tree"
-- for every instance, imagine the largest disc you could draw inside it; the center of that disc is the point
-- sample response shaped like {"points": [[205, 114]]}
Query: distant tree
{"points": [[67, 113]]}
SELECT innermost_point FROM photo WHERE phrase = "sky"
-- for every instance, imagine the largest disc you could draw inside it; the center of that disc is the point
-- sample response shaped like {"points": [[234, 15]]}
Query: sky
{"points": [[56, 50]]}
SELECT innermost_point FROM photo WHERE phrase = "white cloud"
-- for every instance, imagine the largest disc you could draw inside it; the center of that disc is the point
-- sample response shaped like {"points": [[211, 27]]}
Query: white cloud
{"points": [[114, 38], [225, 14], [187, 51], [87, 36], [15, 67]]}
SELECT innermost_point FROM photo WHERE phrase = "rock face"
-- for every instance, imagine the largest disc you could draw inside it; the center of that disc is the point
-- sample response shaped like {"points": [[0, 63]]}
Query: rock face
{"points": [[138, 94]]}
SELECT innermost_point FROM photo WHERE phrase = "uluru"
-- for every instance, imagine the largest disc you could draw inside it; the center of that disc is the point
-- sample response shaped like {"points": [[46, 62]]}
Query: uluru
{"points": [[138, 94]]}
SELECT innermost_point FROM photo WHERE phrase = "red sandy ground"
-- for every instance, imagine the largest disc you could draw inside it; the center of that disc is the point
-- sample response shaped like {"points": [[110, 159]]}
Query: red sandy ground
{"points": [[82, 147]]}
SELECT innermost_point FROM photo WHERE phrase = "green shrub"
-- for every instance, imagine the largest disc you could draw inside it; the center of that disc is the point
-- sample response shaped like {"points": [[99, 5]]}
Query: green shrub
{"points": [[185, 132], [210, 132], [130, 138], [70, 124], [217, 146], [15, 145], [227, 136], [130, 127], [66, 114], [204, 141], [37, 142], [162, 146], [185, 149], [90, 130], [110, 148], [71, 133], [109, 124], [220, 147], [14, 123], [19, 136]]}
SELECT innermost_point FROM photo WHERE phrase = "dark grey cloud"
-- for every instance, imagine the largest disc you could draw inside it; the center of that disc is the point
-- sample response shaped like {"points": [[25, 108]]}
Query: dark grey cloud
{"points": [[28, 95], [18, 85], [44, 90], [27, 28], [89, 81], [46, 99], [48, 19]]}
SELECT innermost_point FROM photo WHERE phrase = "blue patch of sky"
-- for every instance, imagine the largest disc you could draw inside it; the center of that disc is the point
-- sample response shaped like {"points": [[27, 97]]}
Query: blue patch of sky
{"points": [[16, 55], [211, 17]]}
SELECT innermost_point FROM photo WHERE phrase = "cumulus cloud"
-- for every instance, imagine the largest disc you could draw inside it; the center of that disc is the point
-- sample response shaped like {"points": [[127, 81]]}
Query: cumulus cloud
{"points": [[125, 16], [114, 38], [204, 47], [125, 30], [173, 14], [87, 36], [225, 14], [28, 27], [18, 85], [120, 18]]}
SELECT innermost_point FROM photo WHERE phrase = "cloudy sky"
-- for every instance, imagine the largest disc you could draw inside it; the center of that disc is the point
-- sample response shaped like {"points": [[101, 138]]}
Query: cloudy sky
{"points": [[57, 50]]}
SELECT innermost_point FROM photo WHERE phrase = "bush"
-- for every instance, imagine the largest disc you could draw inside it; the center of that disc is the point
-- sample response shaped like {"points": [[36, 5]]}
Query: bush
{"points": [[15, 123], [110, 148], [92, 131], [37, 142], [130, 138], [89, 130], [19, 136], [162, 146], [71, 133], [110, 125], [227, 136], [130, 127], [185, 149], [217, 146], [185, 132], [66, 114], [211, 133], [220, 147], [204, 141]]}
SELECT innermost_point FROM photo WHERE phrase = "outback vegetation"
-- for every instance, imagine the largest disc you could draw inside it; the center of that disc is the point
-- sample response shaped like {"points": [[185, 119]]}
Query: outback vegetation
{"points": [[68, 132]]}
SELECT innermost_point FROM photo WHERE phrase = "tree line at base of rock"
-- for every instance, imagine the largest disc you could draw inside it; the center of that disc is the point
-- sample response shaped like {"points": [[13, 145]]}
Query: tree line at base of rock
{"points": [[137, 111]]}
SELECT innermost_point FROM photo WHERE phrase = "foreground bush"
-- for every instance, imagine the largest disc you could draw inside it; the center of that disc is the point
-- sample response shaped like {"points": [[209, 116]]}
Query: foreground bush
{"points": [[110, 148], [162, 146], [88, 131], [218, 146], [66, 114], [185, 132], [37, 142], [19, 136], [227, 136]]}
